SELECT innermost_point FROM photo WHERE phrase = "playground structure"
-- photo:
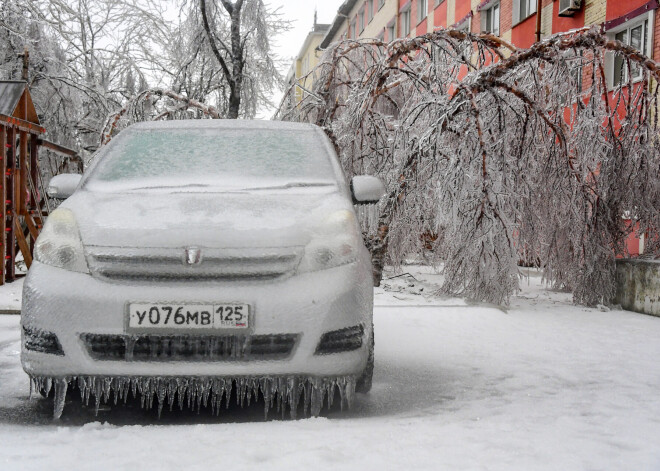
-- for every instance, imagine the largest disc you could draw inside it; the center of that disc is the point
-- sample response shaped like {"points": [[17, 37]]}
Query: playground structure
{"points": [[22, 191]]}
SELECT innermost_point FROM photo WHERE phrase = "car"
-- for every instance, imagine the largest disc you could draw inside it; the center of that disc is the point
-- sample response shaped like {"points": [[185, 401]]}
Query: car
{"points": [[199, 260]]}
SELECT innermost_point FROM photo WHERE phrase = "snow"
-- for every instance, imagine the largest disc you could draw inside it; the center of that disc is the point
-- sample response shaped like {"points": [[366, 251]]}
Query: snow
{"points": [[367, 188], [10, 296], [62, 186], [541, 385]]}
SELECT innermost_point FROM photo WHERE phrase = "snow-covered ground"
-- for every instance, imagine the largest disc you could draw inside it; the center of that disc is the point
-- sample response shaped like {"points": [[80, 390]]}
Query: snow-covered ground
{"points": [[542, 385], [10, 297]]}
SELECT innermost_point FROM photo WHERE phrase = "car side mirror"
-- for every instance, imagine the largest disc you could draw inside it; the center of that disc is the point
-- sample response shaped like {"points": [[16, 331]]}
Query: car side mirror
{"points": [[367, 189], [62, 186]]}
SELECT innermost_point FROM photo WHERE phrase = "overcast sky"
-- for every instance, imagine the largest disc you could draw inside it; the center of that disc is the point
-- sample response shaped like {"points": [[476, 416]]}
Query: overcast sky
{"points": [[301, 12]]}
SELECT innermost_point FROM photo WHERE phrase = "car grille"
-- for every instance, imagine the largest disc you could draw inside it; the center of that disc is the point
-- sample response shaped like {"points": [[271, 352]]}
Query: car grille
{"points": [[158, 264], [188, 347]]}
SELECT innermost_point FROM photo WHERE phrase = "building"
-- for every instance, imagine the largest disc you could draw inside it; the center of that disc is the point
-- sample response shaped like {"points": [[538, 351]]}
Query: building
{"points": [[631, 21], [363, 19], [306, 60]]}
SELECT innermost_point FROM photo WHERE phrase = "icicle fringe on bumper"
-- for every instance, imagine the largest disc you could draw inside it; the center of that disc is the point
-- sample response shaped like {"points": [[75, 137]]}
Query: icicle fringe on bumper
{"points": [[194, 392]]}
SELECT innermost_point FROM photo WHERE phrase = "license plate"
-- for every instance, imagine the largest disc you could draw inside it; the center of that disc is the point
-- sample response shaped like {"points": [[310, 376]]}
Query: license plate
{"points": [[188, 316]]}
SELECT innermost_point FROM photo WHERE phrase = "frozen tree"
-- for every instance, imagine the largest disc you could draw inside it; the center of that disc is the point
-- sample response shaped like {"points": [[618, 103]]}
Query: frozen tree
{"points": [[495, 156], [217, 62], [155, 104], [86, 59], [237, 37], [57, 103], [97, 66]]}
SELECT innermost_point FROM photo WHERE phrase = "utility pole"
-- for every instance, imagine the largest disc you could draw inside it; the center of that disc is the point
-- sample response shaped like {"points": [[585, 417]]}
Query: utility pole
{"points": [[539, 6], [26, 63]]}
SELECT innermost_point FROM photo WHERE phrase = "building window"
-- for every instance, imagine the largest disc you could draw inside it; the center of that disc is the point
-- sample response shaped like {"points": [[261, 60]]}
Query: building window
{"points": [[405, 23], [527, 7], [490, 20], [523, 9], [635, 36], [361, 22], [422, 10], [353, 31], [370, 9], [391, 32]]}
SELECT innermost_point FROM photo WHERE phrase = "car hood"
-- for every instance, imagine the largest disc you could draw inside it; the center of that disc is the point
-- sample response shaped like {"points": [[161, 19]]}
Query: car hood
{"points": [[257, 219]]}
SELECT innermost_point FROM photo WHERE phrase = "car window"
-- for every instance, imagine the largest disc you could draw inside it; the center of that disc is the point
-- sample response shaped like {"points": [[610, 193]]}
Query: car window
{"points": [[215, 156]]}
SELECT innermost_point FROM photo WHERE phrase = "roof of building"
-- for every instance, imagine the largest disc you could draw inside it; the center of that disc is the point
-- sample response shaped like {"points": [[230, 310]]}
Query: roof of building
{"points": [[342, 14], [318, 30], [11, 92], [320, 27]]}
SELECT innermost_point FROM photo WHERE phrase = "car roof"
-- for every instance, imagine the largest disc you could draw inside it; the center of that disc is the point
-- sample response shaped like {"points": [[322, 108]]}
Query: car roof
{"points": [[224, 124]]}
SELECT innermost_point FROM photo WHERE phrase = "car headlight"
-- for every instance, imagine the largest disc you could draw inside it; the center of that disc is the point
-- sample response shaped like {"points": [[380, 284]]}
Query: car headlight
{"points": [[334, 243], [59, 243]]}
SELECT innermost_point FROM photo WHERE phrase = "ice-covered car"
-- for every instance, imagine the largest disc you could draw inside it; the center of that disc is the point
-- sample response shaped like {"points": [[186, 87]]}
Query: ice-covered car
{"points": [[198, 260]]}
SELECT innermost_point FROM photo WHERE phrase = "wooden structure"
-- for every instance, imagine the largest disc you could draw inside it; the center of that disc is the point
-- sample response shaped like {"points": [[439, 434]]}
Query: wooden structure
{"points": [[22, 217]]}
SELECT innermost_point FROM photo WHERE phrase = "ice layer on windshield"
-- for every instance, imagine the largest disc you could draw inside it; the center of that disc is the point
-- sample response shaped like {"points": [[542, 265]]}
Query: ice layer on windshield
{"points": [[203, 155]]}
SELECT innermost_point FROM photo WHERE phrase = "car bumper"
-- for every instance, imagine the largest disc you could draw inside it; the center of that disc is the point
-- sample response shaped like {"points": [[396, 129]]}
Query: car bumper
{"points": [[69, 305]]}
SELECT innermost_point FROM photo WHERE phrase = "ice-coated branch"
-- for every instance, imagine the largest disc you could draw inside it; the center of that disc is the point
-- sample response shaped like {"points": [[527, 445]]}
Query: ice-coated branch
{"points": [[182, 103], [496, 156]]}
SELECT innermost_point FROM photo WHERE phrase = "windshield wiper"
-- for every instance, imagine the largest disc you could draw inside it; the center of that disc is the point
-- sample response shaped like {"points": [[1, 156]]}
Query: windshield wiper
{"points": [[158, 187], [290, 185]]}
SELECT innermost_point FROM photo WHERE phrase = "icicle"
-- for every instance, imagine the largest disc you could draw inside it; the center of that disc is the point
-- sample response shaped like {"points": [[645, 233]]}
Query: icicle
{"points": [[171, 392], [308, 397], [161, 392], [181, 388], [61, 385], [264, 385], [98, 392], [350, 391], [107, 385], [47, 385], [282, 391], [280, 387], [84, 392], [317, 397], [206, 391], [293, 386], [117, 391], [229, 385], [331, 393], [253, 390]]}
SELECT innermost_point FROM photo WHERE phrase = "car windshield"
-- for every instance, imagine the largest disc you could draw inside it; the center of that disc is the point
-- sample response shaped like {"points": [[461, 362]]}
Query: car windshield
{"points": [[218, 158]]}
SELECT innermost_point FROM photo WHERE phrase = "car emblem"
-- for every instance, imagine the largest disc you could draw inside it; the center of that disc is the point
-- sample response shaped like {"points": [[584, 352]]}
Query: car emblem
{"points": [[193, 256]]}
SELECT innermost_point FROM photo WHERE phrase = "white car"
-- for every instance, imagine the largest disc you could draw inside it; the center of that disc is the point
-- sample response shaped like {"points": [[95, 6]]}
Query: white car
{"points": [[198, 260]]}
